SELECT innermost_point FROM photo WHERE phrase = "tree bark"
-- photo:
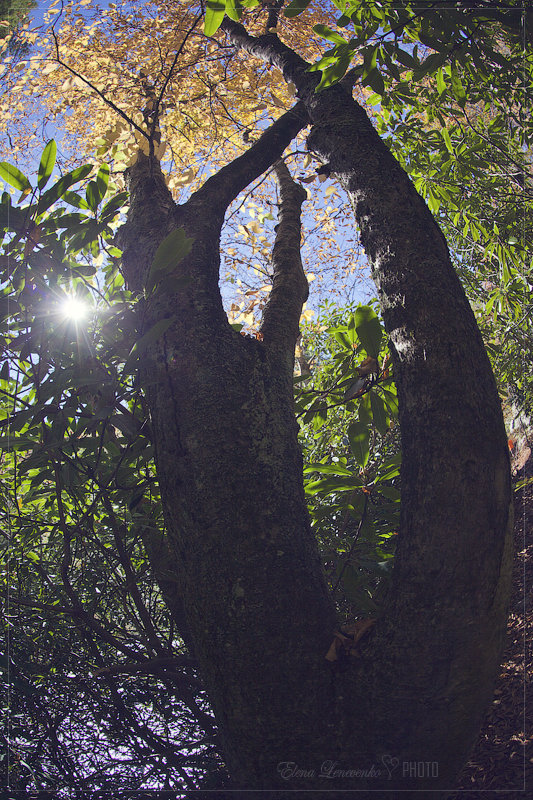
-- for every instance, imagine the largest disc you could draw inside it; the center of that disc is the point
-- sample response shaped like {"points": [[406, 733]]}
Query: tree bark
{"points": [[230, 469], [230, 473], [430, 668]]}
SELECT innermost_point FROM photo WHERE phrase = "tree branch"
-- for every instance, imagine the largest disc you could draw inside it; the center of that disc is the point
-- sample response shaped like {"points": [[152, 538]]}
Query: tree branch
{"points": [[270, 49], [97, 91], [451, 426], [273, 14], [234, 177], [151, 217], [131, 580], [150, 666], [290, 289], [153, 213]]}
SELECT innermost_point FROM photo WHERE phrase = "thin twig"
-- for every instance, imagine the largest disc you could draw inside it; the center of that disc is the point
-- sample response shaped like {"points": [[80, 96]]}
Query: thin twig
{"points": [[100, 94]]}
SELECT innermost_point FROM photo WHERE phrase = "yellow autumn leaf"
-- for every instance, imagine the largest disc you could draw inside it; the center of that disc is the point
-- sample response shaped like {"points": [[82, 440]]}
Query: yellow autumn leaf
{"points": [[186, 177]]}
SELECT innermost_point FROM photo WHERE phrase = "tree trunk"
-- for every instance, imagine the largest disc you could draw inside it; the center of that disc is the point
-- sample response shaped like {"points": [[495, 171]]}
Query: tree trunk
{"points": [[230, 471], [433, 659], [404, 716]]}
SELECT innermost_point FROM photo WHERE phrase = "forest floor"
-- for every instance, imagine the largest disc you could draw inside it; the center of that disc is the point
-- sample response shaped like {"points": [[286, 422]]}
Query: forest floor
{"points": [[501, 764]]}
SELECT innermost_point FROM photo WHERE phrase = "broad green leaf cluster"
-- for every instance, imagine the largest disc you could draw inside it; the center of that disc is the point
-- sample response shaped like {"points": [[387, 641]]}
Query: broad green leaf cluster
{"points": [[348, 410], [405, 43], [216, 10]]}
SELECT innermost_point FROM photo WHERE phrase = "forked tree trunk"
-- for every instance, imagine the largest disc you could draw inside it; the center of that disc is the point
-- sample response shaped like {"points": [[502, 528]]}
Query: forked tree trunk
{"points": [[230, 473]]}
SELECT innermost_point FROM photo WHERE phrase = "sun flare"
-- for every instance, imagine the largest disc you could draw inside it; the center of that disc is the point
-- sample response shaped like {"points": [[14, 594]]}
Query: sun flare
{"points": [[74, 309]]}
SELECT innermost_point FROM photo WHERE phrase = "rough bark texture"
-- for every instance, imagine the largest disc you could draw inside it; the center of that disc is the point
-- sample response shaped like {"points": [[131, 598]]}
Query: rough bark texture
{"points": [[229, 468], [438, 645], [429, 670]]}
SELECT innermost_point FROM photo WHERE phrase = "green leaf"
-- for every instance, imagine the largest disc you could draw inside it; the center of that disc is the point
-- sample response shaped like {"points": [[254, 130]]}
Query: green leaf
{"points": [[329, 34], [343, 21], [320, 417], [16, 443], [96, 189], [441, 83], [329, 469], [102, 179], [70, 222], [296, 7], [334, 73], [433, 202], [430, 41], [332, 485], [53, 194], [359, 436], [391, 493], [391, 401], [14, 177], [113, 206], [48, 160], [364, 411], [214, 14], [406, 59], [370, 60], [75, 200], [430, 65], [369, 330], [329, 58], [91, 194], [168, 255], [379, 412], [155, 333], [344, 338], [447, 140], [390, 468], [234, 10], [458, 88], [375, 80]]}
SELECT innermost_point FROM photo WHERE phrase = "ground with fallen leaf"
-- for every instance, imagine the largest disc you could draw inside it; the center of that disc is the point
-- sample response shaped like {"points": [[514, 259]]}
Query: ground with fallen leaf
{"points": [[502, 761]]}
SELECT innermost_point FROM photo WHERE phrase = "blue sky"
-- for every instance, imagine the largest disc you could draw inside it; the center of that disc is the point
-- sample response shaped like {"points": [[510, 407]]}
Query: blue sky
{"points": [[38, 13]]}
